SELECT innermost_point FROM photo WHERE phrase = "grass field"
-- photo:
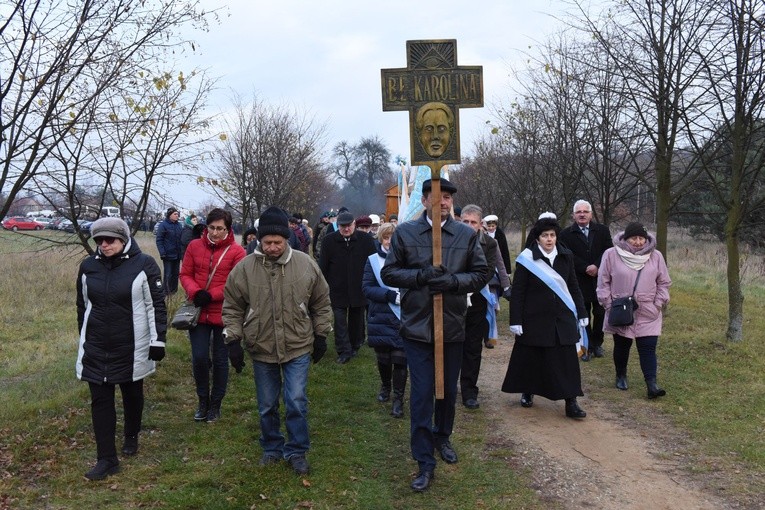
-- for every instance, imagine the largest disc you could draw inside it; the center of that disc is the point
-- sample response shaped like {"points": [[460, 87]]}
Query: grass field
{"points": [[360, 455]]}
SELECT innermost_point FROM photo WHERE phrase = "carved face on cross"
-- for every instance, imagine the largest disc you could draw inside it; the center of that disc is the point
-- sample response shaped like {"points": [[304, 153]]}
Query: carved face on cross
{"points": [[434, 124]]}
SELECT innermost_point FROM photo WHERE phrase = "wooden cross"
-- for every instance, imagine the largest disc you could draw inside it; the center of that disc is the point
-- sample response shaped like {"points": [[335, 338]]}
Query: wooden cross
{"points": [[432, 87]]}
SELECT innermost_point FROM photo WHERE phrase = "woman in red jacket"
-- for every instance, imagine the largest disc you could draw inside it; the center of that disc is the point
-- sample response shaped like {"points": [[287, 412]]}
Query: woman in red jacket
{"points": [[218, 251]]}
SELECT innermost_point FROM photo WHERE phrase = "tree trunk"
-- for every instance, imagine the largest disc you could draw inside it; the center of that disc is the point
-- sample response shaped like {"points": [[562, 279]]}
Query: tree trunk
{"points": [[735, 331], [663, 196]]}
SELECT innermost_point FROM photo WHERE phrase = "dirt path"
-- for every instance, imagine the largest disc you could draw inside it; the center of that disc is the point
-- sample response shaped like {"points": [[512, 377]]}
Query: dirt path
{"points": [[600, 462]]}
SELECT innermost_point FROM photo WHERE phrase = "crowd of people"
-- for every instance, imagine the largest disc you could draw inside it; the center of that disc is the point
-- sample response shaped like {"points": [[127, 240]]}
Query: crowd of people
{"points": [[274, 297]]}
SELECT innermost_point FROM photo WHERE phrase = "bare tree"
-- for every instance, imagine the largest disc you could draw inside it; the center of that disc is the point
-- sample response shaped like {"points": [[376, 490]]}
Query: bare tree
{"points": [[58, 59], [150, 127], [731, 147], [653, 45], [271, 155], [364, 165]]}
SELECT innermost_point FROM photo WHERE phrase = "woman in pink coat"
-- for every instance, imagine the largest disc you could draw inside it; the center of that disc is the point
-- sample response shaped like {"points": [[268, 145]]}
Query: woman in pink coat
{"points": [[635, 251]]}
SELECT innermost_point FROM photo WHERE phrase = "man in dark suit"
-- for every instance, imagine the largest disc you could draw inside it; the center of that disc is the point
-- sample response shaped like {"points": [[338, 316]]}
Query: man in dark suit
{"points": [[588, 240], [343, 257]]}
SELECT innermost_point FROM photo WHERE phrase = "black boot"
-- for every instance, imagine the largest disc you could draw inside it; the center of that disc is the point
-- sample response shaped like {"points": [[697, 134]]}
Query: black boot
{"points": [[399, 386], [103, 468], [213, 414], [573, 410], [385, 370], [130, 446], [201, 413], [653, 389], [621, 381]]}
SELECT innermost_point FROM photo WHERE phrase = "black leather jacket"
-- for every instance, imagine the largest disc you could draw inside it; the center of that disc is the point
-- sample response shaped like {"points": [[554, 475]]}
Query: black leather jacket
{"points": [[411, 250]]}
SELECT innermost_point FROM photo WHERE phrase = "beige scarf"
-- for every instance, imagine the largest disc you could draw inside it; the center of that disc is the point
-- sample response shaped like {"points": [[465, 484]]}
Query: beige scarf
{"points": [[631, 260]]}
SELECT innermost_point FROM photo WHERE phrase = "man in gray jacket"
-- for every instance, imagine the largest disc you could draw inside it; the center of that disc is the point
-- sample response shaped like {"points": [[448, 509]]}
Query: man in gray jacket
{"points": [[277, 305], [409, 266]]}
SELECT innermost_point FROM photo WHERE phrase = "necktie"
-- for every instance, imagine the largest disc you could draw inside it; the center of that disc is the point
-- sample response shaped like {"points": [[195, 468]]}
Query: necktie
{"points": [[585, 231]]}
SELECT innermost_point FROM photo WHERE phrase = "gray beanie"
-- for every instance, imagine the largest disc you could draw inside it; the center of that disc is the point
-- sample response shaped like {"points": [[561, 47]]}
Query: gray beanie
{"points": [[110, 227]]}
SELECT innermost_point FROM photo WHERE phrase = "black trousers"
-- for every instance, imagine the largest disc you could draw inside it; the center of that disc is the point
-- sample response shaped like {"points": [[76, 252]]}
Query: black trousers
{"points": [[595, 328], [349, 329], [476, 331], [104, 414]]}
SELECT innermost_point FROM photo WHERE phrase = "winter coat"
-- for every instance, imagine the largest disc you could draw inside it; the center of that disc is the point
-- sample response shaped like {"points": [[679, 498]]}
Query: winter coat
{"points": [[587, 251], [169, 240], [342, 263], [120, 314], [187, 235], [412, 250], [534, 305], [501, 239], [382, 324], [275, 308], [616, 279], [201, 257]]}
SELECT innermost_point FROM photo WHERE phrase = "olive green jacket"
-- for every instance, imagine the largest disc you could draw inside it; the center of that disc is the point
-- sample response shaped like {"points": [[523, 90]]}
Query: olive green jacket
{"points": [[276, 308]]}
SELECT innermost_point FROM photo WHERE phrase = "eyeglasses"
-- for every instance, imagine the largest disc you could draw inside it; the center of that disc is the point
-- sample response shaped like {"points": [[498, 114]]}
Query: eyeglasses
{"points": [[108, 240], [217, 229]]}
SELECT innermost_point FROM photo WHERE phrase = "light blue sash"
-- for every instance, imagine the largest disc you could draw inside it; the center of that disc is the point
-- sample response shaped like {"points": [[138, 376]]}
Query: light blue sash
{"points": [[374, 261], [491, 311], [557, 284]]}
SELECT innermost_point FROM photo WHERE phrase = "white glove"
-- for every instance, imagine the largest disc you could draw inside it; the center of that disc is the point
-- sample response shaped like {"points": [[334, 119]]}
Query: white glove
{"points": [[398, 297], [583, 323], [517, 330]]}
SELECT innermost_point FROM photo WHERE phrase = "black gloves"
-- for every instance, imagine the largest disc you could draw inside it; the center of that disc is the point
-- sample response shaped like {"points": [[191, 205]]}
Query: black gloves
{"points": [[236, 356], [445, 283], [507, 292], [391, 296], [319, 347], [202, 298], [156, 353], [425, 275]]}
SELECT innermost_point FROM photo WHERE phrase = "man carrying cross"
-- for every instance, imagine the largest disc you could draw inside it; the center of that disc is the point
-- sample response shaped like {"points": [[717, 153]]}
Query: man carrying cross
{"points": [[409, 266]]}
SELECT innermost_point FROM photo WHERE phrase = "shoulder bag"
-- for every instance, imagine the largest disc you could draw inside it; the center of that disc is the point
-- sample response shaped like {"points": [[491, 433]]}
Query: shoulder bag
{"points": [[188, 314], [623, 308]]}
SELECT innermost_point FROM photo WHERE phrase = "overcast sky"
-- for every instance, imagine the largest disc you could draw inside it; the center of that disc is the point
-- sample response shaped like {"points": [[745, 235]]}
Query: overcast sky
{"points": [[325, 56]]}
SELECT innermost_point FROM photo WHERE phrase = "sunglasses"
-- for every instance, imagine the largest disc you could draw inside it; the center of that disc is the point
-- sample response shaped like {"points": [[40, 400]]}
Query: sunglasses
{"points": [[108, 240]]}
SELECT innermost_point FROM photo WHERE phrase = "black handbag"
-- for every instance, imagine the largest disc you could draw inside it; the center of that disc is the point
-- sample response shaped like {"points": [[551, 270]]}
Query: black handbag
{"points": [[187, 316], [622, 312]]}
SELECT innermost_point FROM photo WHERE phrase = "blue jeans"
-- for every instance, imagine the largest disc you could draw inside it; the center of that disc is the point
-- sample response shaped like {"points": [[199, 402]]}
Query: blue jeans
{"points": [[431, 424], [201, 338], [269, 378], [170, 270]]}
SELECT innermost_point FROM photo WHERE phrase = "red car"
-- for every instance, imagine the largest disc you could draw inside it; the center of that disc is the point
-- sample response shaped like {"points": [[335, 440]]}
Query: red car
{"points": [[20, 223]]}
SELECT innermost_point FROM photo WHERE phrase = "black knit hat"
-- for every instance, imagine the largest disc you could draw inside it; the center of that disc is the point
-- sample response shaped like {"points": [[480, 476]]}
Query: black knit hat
{"points": [[635, 229], [273, 221], [170, 212], [445, 186]]}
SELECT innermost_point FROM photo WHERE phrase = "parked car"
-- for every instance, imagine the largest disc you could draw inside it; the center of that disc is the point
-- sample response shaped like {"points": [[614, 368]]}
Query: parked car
{"points": [[42, 220], [20, 223]]}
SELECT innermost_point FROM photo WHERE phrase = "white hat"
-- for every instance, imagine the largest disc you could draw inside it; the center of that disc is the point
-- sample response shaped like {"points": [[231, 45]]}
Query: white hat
{"points": [[547, 214], [375, 219], [491, 217]]}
